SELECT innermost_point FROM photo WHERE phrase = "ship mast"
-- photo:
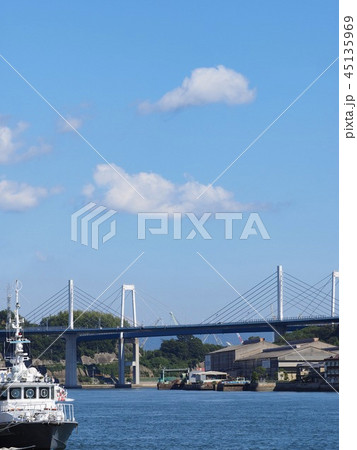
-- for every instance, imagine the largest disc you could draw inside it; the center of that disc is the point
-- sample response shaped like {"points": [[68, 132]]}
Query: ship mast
{"points": [[18, 340], [17, 315]]}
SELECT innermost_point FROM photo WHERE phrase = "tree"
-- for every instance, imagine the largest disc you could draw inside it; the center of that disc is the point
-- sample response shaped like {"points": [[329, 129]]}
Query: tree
{"points": [[326, 333], [185, 351], [3, 318], [258, 374]]}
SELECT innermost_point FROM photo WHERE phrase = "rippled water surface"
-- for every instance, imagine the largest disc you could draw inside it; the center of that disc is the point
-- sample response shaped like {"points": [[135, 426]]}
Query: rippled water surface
{"points": [[151, 419]]}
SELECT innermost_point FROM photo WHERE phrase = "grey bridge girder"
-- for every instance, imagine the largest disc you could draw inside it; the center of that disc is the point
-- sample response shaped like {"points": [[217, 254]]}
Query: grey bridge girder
{"points": [[174, 330]]}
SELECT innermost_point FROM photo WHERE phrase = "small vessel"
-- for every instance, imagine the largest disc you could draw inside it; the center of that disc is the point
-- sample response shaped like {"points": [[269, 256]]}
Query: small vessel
{"points": [[34, 413], [233, 385]]}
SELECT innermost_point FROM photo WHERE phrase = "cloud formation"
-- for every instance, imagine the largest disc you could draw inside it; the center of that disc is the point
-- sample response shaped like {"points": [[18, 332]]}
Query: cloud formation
{"points": [[40, 256], [75, 122], [11, 146], [16, 196], [205, 85], [161, 195]]}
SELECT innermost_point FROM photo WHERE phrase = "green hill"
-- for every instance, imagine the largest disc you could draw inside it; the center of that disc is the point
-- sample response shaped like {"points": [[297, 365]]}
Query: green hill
{"points": [[185, 351], [326, 333]]}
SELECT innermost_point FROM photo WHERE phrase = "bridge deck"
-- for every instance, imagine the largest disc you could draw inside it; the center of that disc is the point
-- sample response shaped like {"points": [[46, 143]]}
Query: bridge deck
{"points": [[256, 326]]}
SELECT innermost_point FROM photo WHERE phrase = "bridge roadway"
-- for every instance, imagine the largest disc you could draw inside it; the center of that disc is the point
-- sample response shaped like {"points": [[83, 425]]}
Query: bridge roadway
{"points": [[255, 326]]}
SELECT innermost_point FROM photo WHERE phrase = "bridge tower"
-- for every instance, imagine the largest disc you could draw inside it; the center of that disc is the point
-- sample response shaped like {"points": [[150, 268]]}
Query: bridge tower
{"points": [[280, 292], [70, 304], [280, 330], [333, 293], [135, 364], [71, 343]]}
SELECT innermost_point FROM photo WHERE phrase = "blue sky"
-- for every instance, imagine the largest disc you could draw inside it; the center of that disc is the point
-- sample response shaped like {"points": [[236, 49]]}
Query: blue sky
{"points": [[98, 64]]}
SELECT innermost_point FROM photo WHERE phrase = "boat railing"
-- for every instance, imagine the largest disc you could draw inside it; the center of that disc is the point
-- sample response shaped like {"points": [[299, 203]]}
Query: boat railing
{"points": [[65, 410], [19, 406]]}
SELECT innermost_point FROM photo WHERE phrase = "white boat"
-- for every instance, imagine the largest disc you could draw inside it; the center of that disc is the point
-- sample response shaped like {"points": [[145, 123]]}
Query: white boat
{"points": [[34, 413]]}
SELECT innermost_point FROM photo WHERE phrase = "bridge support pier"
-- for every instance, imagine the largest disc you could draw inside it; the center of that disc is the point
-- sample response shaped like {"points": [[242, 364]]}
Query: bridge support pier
{"points": [[135, 363], [71, 362], [280, 331], [121, 359]]}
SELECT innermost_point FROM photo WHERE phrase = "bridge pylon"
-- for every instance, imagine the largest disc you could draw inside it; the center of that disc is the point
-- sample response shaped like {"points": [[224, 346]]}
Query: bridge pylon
{"points": [[134, 363], [70, 304], [280, 306], [333, 292], [280, 292]]}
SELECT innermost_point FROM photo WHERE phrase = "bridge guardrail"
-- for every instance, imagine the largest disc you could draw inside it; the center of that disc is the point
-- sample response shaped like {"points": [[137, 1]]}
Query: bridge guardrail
{"points": [[285, 319]]}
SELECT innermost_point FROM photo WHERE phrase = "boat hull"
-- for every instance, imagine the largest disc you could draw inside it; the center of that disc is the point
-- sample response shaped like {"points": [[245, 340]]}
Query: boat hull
{"points": [[39, 435]]}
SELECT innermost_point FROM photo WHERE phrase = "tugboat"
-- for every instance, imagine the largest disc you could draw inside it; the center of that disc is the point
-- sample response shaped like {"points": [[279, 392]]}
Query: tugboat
{"points": [[33, 409]]}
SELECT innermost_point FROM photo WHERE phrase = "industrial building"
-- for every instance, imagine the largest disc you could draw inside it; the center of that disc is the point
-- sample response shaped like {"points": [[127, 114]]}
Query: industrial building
{"points": [[278, 362], [332, 369], [223, 359]]}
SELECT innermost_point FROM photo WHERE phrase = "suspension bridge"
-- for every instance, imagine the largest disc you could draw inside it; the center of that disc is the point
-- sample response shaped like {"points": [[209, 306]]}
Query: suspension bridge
{"points": [[279, 303]]}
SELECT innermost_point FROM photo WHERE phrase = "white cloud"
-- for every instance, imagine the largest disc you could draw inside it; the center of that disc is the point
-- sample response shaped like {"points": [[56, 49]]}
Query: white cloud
{"points": [[88, 190], [8, 141], [161, 195], [66, 127], [42, 257], [16, 196], [11, 146], [34, 150], [205, 85], [56, 190]]}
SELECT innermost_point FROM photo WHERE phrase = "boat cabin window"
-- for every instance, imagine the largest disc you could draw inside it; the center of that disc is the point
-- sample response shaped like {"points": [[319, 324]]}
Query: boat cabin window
{"points": [[15, 393], [30, 392], [3, 394], [44, 392]]}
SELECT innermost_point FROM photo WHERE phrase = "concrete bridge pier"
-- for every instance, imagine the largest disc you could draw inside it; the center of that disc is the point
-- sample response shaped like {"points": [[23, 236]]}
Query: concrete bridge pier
{"points": [[121, 359], [280, 331], [135, 363], [71, 362]]}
